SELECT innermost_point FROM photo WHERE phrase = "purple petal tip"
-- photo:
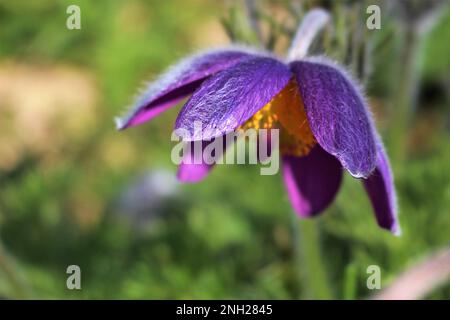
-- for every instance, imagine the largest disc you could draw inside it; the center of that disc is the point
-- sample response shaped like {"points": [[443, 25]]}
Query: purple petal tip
{"points": [[338, 114]]}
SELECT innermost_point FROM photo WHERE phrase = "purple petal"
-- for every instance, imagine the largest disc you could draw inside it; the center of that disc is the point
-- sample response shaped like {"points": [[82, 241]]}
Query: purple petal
{"points": [[338, 115], [312, 181], [380, 189], [229, 98], [193, 167], [180, 81], [192, 173]]}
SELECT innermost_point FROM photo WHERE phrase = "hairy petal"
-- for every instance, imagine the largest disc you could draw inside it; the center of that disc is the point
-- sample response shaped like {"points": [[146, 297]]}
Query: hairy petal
{"points": [[231, 97], [381, 191], [338, 115], [179, 82], [312, 181]]}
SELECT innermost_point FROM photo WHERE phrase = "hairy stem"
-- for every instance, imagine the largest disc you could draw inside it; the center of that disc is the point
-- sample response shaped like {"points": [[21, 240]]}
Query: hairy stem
{"points": [[313, 22]]}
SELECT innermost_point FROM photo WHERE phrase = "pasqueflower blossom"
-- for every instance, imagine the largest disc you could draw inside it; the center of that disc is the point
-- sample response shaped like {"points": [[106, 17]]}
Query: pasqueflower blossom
{"points": [[324, 121]]}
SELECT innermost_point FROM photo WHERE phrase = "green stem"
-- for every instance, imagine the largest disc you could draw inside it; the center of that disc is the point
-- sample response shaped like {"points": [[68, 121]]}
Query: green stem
{"points": [[313, 272], [406, 93]]}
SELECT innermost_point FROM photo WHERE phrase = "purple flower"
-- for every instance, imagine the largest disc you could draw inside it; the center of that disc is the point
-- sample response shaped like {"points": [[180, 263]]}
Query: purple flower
{"points": [[324, 121]]}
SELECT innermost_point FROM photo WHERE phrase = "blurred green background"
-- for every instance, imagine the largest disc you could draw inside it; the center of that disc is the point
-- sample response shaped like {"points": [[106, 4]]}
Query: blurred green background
{"points": [[73, 190]]}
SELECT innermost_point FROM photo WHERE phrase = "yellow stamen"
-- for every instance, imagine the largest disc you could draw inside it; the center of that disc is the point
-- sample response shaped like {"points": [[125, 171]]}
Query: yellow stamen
{"points": [[287, 113]]}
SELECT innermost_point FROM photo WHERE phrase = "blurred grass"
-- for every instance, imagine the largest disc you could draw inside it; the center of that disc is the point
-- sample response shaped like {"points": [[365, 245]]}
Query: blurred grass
{"points": [[228, 237]]}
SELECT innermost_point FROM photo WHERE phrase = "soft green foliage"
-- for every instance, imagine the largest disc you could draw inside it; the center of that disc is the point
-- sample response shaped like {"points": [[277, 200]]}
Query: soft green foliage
{"points": [[231, 236]]}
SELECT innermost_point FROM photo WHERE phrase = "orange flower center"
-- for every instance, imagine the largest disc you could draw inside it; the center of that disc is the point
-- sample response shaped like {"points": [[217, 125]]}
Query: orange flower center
{"points": [[286, 112]]}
